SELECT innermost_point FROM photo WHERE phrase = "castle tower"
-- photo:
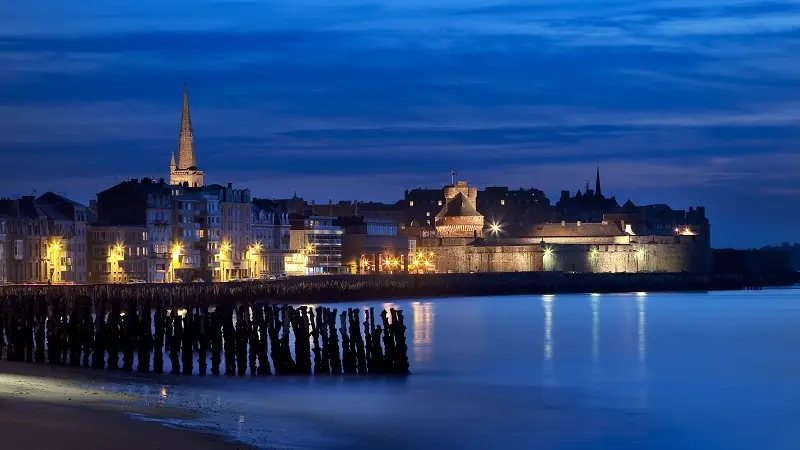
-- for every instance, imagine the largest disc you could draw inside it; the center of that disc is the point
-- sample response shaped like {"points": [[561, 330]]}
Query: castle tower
{"points": [[185, 170], [459, 216]]}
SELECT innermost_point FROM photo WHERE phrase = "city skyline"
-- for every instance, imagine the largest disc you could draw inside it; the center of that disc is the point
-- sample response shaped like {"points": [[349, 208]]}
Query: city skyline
{"points": [[362, 101]]}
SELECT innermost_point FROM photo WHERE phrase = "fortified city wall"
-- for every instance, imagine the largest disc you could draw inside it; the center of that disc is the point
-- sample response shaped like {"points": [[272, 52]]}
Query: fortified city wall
{"points": [[645, 254]]}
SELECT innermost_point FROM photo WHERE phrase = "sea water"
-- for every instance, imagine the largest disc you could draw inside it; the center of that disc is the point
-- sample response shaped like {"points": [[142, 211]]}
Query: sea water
{"points": [[708, 371]]}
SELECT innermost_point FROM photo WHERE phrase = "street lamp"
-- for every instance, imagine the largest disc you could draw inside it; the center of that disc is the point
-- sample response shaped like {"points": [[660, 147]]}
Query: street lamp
{"points": [[177, 248], [55, 249], [252, 254], [223, 256]]}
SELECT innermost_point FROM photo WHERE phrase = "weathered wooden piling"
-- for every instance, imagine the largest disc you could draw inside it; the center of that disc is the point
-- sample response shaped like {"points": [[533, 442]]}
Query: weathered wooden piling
{"points": [[159, 329], [40, 327], [100, 335], [261, 333], [348, 348], [333, 344], [255, 338], [229, 340], [187, 341], [145, 336], [215, 335], [202, 326], [175, 342]]}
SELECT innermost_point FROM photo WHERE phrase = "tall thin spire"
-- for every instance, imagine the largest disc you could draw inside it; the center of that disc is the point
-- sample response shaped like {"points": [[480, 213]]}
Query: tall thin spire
{"points": [[172, 163], [186, 155], [597, 190]]}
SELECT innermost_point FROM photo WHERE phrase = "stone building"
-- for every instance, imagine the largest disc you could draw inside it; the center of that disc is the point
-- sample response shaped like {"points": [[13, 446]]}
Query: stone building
{"points": [[184, 169], [196, 233], [42, 240], [67, 221], [136, 209], [119, 253], [458, 217], [621, 242], [270, 231]]}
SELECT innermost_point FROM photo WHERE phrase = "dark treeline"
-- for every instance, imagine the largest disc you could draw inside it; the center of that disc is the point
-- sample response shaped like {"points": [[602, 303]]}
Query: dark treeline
{"points": [[350, 288], [249, 338]]}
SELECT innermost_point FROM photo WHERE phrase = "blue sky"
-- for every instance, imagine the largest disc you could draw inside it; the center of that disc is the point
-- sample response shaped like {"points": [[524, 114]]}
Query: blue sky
{"points": [[686, 102]]}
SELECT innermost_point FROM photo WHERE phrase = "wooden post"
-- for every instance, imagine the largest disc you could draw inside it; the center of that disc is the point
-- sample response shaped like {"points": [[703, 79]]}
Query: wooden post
{"points": [[112, 338], [187, 341], [202, 328], [145, 336], [101, 335], [159, 328]]}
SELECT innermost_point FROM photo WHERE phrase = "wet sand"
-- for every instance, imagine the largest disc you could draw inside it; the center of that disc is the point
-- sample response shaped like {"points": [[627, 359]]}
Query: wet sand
{"points": [[48, 408]]}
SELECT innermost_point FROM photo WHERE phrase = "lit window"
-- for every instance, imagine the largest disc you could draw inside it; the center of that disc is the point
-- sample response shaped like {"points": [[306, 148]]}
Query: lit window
{"points": [[428, 213], [440, 203], [411, 203], [502, 202]]}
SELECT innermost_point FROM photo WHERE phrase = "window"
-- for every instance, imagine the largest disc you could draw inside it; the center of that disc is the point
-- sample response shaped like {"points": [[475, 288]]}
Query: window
{"points": [[428, 213], [411, 203], [18, 249], [502, 202], [440, 203]]}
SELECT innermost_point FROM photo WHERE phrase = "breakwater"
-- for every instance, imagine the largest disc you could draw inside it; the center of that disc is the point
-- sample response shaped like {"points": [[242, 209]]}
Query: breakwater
{"points": [[157, 335], [344, 288]]}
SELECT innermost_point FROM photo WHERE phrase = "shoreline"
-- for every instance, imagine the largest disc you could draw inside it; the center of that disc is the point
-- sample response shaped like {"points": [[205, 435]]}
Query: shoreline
{"points": [[39, 403]]}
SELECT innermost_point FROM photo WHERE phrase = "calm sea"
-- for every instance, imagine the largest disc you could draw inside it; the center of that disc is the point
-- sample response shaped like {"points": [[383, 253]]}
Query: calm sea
{"points": [[706, 371]]}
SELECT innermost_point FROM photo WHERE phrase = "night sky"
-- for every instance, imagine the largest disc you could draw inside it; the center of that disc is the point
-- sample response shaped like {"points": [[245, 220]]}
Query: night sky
{"points": [[685, 102]]}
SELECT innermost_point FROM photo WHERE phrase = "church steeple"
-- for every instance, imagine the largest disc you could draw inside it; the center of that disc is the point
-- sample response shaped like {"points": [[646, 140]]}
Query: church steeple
{"points": [[184, 170], [186, 155], [597, 190]]}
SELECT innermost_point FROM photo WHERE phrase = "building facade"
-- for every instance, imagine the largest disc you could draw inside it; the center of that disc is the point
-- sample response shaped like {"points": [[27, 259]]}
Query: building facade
{"points": [[623, 241], [270, 232], [372, 246], [68, 222], [43, 240], [320, 241]]}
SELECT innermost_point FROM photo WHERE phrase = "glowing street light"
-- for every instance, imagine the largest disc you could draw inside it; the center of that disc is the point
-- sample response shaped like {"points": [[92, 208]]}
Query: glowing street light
{"points": [[177, 248], [252, 255]]}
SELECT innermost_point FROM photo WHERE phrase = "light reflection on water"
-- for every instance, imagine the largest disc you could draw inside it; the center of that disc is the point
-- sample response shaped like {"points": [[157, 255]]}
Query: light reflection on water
{"points": [[664, 371]]}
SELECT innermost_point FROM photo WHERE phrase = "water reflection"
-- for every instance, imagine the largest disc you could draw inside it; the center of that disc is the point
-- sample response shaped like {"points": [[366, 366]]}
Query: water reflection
{"points": [[595, 327], [547, 303], [423, 331], [642, 332]]}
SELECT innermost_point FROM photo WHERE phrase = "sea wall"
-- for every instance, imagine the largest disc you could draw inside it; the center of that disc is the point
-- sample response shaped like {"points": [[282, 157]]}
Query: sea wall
{"points": [[343, 288], [642, 254]]}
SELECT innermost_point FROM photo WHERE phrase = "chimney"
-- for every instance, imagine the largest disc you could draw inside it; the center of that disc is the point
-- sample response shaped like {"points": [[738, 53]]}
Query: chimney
{"points": [[15, 207], [230, 185], [563, 223], [355, 208], [579, 223]]}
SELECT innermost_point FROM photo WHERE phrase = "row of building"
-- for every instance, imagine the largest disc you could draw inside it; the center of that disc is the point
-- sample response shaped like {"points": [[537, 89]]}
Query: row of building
{"points": [[181, 229]]}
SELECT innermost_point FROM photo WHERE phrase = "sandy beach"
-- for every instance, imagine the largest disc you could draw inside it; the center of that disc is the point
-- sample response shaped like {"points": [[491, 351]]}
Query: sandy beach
{"points": [[43, 407]]}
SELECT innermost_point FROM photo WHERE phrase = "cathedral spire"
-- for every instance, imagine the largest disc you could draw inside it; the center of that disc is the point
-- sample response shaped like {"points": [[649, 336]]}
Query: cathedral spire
{"points": [[186, 155], [172, 164], [597, 191]]}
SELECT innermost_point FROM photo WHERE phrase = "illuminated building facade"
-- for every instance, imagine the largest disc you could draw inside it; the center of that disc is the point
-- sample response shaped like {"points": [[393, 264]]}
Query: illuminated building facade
{"points": [[319, 240], [270, 229], [620, 242], [372, 246], [42, 240]]}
